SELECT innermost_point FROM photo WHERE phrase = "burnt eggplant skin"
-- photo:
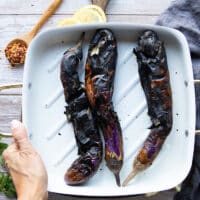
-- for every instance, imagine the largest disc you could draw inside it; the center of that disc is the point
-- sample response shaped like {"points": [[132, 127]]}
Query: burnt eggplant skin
{"points": [[155, 81], [78, 112], [99, 78]]}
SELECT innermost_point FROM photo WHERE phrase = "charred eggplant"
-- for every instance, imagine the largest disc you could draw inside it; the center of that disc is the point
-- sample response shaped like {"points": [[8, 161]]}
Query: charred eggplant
{"points": [[154, 78], [78, 112], [99, 77]]}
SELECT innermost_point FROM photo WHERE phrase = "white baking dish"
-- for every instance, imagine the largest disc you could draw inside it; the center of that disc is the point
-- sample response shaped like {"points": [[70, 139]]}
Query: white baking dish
{"points": [[53, 137]]}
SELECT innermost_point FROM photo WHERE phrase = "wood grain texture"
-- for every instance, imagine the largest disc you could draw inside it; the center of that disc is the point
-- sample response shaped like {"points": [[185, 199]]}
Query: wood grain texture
{"points": [[140, 7], [12, 26], [10, 108], [17, 17]]}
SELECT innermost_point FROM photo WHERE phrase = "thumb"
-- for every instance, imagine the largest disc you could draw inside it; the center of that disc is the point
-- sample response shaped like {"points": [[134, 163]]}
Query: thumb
{"points": [[19, 134]]}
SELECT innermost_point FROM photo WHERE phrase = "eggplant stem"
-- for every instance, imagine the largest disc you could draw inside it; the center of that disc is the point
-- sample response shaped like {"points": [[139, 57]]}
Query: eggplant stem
{"points": [[130, 177], [78, 45], [80, 42], [117, 178]]}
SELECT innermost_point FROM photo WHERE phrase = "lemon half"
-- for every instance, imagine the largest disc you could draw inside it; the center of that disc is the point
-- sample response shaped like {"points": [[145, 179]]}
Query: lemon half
{"points": [[95, 8], [68, 21], [86, 14]]}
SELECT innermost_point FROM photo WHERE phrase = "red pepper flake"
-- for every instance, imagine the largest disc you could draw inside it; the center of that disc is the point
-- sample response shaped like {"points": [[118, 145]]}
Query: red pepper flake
{"points": [[16, 52]]}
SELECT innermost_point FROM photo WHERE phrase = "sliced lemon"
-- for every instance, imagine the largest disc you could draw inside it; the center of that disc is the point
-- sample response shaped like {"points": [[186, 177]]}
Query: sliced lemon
{"points": [[95, 8], [68, 21], [88, 16]]}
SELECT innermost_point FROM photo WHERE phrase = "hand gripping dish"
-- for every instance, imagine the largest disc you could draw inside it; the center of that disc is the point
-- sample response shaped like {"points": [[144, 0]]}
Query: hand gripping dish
{"points": [[154, 77], [99, 76], [78, 112]]}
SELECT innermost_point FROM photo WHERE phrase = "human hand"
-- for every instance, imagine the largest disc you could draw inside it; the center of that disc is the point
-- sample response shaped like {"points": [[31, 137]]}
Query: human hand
{"points": [[25, 166]]}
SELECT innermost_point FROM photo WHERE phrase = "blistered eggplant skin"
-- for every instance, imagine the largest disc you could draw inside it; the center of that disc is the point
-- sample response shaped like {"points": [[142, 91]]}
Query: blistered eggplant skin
{"points": [[155, 81], [154, 78], [99, 78], [78, 112]]}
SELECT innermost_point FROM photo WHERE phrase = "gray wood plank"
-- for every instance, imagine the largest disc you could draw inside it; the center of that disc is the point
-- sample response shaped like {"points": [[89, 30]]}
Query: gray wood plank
{"points": [[115, 6], [10, 108]]}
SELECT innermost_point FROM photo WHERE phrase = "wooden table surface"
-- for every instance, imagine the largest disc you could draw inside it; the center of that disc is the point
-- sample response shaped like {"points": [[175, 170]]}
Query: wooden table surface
{"points": [[17, 17]]}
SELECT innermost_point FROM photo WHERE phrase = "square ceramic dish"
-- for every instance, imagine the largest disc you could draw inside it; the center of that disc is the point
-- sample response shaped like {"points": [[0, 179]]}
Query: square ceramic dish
{"points": [[53, 137]]}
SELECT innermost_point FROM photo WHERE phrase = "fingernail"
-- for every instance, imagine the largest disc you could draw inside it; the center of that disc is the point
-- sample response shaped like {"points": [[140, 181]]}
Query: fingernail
{"points": [[15, 124]]}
